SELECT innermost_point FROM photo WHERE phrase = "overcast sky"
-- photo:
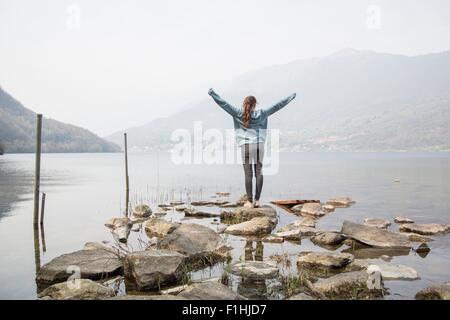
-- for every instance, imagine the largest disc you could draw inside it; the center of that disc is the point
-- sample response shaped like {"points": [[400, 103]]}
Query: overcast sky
{"points": [[110, 64]]}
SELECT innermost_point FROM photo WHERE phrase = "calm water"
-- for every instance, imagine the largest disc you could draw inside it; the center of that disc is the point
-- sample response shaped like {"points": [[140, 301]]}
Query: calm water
{"points": [[85, 190]]}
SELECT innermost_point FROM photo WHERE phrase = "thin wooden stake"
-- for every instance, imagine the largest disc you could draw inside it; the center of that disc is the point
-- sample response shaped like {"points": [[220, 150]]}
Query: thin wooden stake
{"points": [[37, 175], [41, 221], [127, 181]]}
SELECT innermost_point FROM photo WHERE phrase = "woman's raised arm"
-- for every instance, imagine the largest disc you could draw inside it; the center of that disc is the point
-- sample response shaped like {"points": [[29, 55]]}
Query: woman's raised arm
{"points": [[278, 106], [222, 103]]}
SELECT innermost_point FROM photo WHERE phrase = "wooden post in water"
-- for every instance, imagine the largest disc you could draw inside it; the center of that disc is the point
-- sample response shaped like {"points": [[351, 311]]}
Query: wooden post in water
{"points": [[37, 175], [127, 181], [41, 221]]}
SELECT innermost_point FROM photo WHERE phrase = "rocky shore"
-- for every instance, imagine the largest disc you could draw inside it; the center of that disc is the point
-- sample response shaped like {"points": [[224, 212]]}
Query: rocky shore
{"points": [[170, 252]]}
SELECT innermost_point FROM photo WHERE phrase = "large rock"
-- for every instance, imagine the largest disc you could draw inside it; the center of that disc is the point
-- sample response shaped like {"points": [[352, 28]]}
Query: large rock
{"points": [[120, 228], [340, 202], [153, 269], [374, 237], [142, 211], [309, 209], [253, 227], [157, 227], [377, 223], [328, 238], [435, 292], [395, 272], [77, 289], [91, 264], [425, 229], [402, 220], [201, 244], [254, 270], [210, 291], [326, 260], [348, 285], [243, 214]]}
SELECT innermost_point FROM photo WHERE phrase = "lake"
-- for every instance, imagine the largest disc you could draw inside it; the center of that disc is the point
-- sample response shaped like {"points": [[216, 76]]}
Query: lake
{"points": [[85, 190]]}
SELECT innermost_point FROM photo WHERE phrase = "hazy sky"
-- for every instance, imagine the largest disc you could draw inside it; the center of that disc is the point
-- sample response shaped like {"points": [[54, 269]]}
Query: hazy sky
{"points": [[110, 64]]}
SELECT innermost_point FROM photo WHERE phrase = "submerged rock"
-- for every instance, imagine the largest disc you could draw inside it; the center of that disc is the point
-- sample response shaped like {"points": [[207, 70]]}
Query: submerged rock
{"points": [[142, 211], [210, 291], [340, 202], [425, 229], [152, 269], [191, 212], [348, 285], [91, 264], [77, 289], [199, 243], [157, 227], [255, 226], [401, 220], [120, 228], [395, 272], [254, 270], [328, 238], [435, 292], [378, 223], [374, 237]]}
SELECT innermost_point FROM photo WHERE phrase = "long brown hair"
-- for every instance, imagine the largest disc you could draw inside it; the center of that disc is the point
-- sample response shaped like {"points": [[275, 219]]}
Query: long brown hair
{"points": [[248, 105]]}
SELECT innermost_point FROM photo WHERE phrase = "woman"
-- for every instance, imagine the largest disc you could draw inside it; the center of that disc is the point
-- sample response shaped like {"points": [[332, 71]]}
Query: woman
{"points": [[250, 126]]}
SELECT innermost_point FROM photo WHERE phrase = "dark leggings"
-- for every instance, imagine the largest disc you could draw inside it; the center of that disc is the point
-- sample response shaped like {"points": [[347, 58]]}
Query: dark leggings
{"points": [[252, 159]]}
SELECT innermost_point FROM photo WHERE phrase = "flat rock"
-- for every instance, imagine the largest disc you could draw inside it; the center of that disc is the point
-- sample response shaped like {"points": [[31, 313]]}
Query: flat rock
{"points": [[296, 233], [395, 272], [198, 242], [192, 212], [272, 239], [377, 223], [340, 202], [324, 259], [425, 229], [328, 238], [347, 285], [208, 203], [254, 270], [142, 211], [435, 292], [374, 237], [255, 226], [152, 269], [243, 214], [401, 220], [415, 237], [210, 291], [302, 296], [77, 289], [175, 203], [157, 227], [306, 222], [309, 209], [93, 264], [328, 208]]}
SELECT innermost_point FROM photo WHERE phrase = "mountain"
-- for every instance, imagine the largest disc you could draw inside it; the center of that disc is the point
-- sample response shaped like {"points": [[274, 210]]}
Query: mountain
{"points": [[18, 132], [349, 101]]}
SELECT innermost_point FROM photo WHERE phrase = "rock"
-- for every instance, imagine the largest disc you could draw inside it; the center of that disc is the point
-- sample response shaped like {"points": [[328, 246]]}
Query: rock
{"points": [[378, 223], [223, 194], [142, 211], [306, 222], [328, 238], [245, 214], [157, 227], [120, 228], [148, 297], [201, 244], [254, 270], [302, 296], [310, 209], [176, 203], [435, 292], [374, 237], [272, 239], [77, 289], [324, 260], [423, 250], [191, 212], [296, 234], [210, 291], [255, 226], [159, 212], [165, 206], [92, 264], [425, 229], [357, 265], [298, 224], [180, 207], [414, 237], [375, 253], [208, 203], [116, 250], [395, 272], [340, 202], [348, 285], [153, 269], [401, 220], [328, 208]]}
